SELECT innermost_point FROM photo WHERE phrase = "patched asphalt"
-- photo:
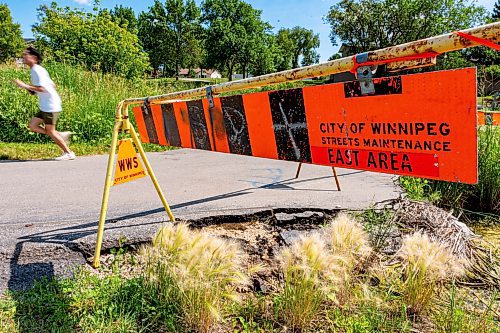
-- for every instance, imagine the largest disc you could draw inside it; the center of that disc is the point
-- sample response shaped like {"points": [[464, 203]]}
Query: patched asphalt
{"points": [[49, 210]]}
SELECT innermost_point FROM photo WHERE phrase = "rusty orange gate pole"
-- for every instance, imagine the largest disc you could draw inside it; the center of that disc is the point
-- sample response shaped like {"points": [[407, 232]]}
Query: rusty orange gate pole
{"points": [[410, 55]]}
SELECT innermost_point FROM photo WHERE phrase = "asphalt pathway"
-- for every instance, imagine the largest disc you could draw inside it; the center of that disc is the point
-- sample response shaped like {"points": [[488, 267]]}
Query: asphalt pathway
{"points": [[49, 210]]}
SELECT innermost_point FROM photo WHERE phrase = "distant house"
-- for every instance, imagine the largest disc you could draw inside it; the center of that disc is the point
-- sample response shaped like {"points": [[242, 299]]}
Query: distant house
{"points": [[200, 74], [29, 41], [240, 76], [345, 51]]}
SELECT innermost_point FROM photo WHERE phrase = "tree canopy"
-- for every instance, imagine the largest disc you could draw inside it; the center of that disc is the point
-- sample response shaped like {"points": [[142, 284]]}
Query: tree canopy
{"points": [[171, 33], [124, 17], [496, 10], [90, 39], [367, 25], [11, 41], [296, 43], [235, 33]]}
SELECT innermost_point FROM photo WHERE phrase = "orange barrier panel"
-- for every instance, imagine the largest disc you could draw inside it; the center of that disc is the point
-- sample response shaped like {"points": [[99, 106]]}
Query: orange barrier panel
{"points": [[489, 118], [420, 125]]}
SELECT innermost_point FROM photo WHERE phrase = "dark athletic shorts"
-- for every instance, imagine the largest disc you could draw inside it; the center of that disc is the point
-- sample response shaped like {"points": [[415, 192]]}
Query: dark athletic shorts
{"points": [[49, 118]]}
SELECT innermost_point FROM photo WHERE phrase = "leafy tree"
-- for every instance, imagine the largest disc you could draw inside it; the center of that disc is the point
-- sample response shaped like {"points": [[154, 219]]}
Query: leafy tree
{"points": [[496, 10], [11, 41], [183, 19], [295, 43], [155, 37], [266, 54], [91, 39], [367, 25], [125, 18], [235, 31], [486, 59], [171, 33]]}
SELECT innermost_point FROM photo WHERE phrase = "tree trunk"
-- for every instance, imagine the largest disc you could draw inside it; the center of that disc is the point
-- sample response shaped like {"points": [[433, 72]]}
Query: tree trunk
{"points": [[230, 78]]}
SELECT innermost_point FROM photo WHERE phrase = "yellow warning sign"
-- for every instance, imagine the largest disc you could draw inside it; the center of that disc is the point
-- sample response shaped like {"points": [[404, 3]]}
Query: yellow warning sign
{"points": [[129, 165]]}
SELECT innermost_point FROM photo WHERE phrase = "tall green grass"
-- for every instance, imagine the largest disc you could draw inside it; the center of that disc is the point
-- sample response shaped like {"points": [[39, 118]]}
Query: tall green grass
{"points": [[483, 197], [89, 101]]}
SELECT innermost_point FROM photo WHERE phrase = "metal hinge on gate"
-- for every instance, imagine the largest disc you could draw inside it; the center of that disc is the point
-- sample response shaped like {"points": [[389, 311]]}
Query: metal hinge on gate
{"points": [[146, 107], [210, 96], [364, 74]]}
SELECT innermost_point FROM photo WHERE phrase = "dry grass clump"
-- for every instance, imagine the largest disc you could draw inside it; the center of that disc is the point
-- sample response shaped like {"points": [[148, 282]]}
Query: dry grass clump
{"points": [[427, 265], [480, 264], [320, 269], [203, 272], [311, 274], [347, 239]]}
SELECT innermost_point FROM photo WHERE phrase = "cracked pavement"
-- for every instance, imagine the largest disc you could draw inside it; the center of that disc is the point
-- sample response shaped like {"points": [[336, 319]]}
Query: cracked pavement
{"points": [[49, 210]]}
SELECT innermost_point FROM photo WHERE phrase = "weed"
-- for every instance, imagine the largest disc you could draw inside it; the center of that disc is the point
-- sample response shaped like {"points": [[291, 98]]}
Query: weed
{"points": [[367, 319], [312, 274], [348, 242], [253, 315], [346, 237], [378, 225], [427, 265], [462, 313], [204, 271]]}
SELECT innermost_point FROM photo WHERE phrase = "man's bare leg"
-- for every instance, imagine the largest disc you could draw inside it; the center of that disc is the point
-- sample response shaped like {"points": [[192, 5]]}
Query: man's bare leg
{"points": [[34, 125], [50, 130]]}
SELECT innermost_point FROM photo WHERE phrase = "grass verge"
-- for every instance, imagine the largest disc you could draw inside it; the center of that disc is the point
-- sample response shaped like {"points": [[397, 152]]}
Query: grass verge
{"points": [[482, 198], [191, 282], [42, 151]]}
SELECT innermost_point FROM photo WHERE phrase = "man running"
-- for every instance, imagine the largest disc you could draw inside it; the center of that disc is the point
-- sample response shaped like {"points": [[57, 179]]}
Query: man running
{"points": [[50, 105]]}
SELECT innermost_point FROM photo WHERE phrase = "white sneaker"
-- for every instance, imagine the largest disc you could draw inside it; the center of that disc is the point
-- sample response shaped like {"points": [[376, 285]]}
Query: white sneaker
{"points": [[66, 157], [66, 136]]}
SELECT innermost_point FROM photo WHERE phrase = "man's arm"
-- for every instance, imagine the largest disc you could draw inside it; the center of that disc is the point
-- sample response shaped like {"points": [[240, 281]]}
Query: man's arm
{"points": [[29, 87]]}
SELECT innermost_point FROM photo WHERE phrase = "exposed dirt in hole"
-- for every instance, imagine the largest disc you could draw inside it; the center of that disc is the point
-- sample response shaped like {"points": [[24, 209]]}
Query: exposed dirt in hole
{"points": [[262, 240], [263, 235]]}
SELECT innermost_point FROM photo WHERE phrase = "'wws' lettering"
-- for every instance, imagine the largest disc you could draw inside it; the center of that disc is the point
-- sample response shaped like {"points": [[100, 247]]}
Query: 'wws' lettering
{"points": [[128, 164]]}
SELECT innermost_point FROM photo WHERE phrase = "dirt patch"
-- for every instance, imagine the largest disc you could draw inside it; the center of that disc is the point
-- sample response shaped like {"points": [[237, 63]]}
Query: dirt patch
{"points": [[262, 240], [263, 236]]}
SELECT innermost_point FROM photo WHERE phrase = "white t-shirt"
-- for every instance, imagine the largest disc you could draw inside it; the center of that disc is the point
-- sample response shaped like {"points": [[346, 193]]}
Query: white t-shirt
{"points": [[49, 101]]}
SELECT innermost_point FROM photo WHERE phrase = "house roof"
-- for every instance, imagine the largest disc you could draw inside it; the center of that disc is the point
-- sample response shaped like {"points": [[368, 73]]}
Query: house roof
{"points": [[185, 71]]}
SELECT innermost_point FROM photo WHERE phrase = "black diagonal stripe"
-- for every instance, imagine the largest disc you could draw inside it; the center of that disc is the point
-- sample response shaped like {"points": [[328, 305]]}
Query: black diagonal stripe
{"points": [[383, 86], [170, 125], [235, 123], [290, 125], [150, 124], [198, 125]]}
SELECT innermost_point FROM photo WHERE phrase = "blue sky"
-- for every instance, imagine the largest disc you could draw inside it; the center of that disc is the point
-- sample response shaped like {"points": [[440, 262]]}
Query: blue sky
{"points": [[280, 13]]}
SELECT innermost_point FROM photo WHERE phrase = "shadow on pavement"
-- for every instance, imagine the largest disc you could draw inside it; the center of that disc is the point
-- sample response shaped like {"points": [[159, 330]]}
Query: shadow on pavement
{"points": [[22, 276]]}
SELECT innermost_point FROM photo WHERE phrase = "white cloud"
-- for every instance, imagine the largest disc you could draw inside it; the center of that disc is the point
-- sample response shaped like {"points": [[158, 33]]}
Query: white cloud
{"points": [[83, 2]]}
